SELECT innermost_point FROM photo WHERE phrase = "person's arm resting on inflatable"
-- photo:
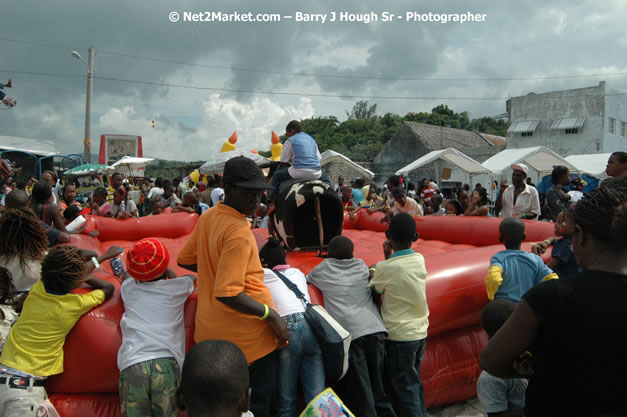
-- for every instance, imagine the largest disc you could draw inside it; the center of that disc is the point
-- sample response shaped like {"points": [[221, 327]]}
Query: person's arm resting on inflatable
{"points": [[98, 284], [493, 280]]}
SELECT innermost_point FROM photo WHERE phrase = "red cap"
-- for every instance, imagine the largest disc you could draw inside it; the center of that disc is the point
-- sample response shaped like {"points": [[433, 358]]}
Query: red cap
{"points": [[147, 260]]}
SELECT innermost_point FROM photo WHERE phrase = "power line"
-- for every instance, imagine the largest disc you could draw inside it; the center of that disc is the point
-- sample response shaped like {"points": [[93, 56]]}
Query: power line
{"points": [[47, 45], [43, 74], [286, 93], [315, 75]]}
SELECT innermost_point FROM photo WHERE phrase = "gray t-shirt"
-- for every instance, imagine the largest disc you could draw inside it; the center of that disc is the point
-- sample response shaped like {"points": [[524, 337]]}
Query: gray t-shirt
{"points": [[344, 286], [499, 394]]}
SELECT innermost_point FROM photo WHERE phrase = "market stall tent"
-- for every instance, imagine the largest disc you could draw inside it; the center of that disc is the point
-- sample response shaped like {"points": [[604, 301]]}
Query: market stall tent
{"points": [[539, 159], [590, 164], [464, 168]]}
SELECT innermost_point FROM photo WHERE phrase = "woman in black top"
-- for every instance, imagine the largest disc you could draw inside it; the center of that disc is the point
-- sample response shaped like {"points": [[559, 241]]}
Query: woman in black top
{"points": [[569, 336]]}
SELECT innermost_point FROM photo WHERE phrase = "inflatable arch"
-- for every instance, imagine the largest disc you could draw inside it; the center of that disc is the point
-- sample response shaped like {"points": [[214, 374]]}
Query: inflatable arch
{"points": [[457, 251]]}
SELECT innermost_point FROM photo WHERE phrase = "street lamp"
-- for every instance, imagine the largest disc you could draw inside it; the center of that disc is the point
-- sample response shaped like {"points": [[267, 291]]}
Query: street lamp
{"points": [[90, 89]]}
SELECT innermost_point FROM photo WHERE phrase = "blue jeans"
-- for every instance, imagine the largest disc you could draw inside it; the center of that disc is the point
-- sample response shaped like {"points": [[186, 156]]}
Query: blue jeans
{"points": [[300, 358], [402, 370], [362, 389], [263, 373], [277, 178]]}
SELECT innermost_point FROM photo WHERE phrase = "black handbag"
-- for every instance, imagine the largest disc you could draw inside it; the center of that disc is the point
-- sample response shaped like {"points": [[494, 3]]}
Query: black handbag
{"points": [[334, 340]]}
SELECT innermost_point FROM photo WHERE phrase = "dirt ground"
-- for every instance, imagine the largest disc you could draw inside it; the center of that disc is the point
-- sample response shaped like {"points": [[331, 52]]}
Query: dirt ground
{"points": [[470, 408]]}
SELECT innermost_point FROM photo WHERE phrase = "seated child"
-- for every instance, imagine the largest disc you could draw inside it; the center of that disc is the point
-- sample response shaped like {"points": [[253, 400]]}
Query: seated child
{"points": [[454, 208], [169, 198], [348, 201], [153, 331], [8, 295], [214, 387], [563, 261], [100, 207], [122, 206], [401, 278], [500, 396], [301, 359], [34, 348], [72, 212], [156, 206], [513, 271], [191, 204], [343, 281], [402, 204], [435, 206]]}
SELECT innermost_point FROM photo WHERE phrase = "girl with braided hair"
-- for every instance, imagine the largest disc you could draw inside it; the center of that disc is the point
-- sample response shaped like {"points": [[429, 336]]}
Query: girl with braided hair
{"points": [[570, 335], [22, 247], [34, 348]]}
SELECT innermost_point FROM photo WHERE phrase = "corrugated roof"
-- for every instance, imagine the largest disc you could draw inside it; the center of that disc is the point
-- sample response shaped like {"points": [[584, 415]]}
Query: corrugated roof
{"points": [[439, 137], [494, 139]]}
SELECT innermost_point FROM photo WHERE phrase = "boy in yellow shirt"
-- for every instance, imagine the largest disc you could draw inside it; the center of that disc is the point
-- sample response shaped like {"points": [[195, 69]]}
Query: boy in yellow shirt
{"points": [[402, 279], [34, 348]]}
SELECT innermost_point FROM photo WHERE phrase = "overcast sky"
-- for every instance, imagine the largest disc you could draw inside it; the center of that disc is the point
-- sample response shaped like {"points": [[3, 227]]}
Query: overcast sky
{"points": [[550, 42]]}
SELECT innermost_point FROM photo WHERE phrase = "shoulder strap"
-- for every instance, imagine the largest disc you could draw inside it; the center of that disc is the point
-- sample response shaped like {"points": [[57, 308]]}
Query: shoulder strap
{"points": [[291, 286]]}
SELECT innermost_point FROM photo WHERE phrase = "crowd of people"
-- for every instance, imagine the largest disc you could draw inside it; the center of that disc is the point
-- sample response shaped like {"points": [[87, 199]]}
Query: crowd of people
{"points": [[547, 323]]}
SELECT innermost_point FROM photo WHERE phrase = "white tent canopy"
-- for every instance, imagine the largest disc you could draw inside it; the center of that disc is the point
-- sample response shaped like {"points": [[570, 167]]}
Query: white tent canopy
{"points": [[34, 146], [331, 156], [590, 164], [539, 158], [451, 155]]}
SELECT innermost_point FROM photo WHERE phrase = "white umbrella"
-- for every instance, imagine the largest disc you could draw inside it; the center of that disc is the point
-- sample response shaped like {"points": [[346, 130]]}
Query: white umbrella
{"points": [[215, 165], [131, 164]]}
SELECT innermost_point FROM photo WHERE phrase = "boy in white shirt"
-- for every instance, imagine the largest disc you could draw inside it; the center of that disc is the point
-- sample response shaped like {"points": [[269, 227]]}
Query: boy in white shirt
{"points": [[153, 331]]}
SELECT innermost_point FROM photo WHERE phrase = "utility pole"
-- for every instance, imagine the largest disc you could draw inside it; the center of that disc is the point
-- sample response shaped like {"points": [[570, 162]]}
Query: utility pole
{"points": [[90, 89]]}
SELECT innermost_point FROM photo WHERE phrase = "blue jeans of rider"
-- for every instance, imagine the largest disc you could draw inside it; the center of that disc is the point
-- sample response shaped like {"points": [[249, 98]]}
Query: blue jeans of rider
{"points": [[277, 178], [301, 358]]}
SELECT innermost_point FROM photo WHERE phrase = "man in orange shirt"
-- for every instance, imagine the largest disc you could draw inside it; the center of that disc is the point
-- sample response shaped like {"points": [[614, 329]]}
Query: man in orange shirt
{"points": [[233, 302]]}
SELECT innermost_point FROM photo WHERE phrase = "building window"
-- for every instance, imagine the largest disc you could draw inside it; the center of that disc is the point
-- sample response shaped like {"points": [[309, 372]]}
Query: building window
{"points": [[623, 127], [572, 131], [526, 134], [612, 126]]}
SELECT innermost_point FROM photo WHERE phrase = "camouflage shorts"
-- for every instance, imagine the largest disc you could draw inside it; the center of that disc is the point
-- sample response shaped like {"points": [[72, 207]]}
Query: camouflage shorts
{"points": [[147, 388]]}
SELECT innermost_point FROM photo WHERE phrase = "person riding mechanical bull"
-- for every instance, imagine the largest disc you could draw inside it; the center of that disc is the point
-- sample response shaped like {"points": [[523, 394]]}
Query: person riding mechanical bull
{"points": [[300, 192]]}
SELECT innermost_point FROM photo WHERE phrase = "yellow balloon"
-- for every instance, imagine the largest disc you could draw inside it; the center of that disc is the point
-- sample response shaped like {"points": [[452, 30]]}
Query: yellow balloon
{"points": [[195, 176], [276, 149], [227, 146]]}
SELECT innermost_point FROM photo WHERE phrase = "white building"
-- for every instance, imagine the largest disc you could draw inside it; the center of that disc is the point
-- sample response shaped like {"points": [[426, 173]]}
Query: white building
{"points": [[580, 121]]}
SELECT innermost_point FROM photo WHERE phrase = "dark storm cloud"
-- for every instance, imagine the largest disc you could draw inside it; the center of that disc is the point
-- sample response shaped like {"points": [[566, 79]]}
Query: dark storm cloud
{"points": [[529, 38]]}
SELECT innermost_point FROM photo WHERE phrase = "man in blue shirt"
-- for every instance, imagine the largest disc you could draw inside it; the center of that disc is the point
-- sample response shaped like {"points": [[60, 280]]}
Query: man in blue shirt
{"points": [[300, 151]]}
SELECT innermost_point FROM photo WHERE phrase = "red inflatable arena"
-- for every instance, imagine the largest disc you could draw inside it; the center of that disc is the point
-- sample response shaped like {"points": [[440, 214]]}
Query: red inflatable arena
{"points": [[457, 252]]}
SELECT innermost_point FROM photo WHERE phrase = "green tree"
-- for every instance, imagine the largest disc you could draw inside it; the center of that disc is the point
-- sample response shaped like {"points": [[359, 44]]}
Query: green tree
{"points": [[362, 111]]}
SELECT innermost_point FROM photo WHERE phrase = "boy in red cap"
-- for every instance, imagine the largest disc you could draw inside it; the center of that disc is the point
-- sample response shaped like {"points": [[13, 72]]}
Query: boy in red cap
{"points": [[153, 333]]}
